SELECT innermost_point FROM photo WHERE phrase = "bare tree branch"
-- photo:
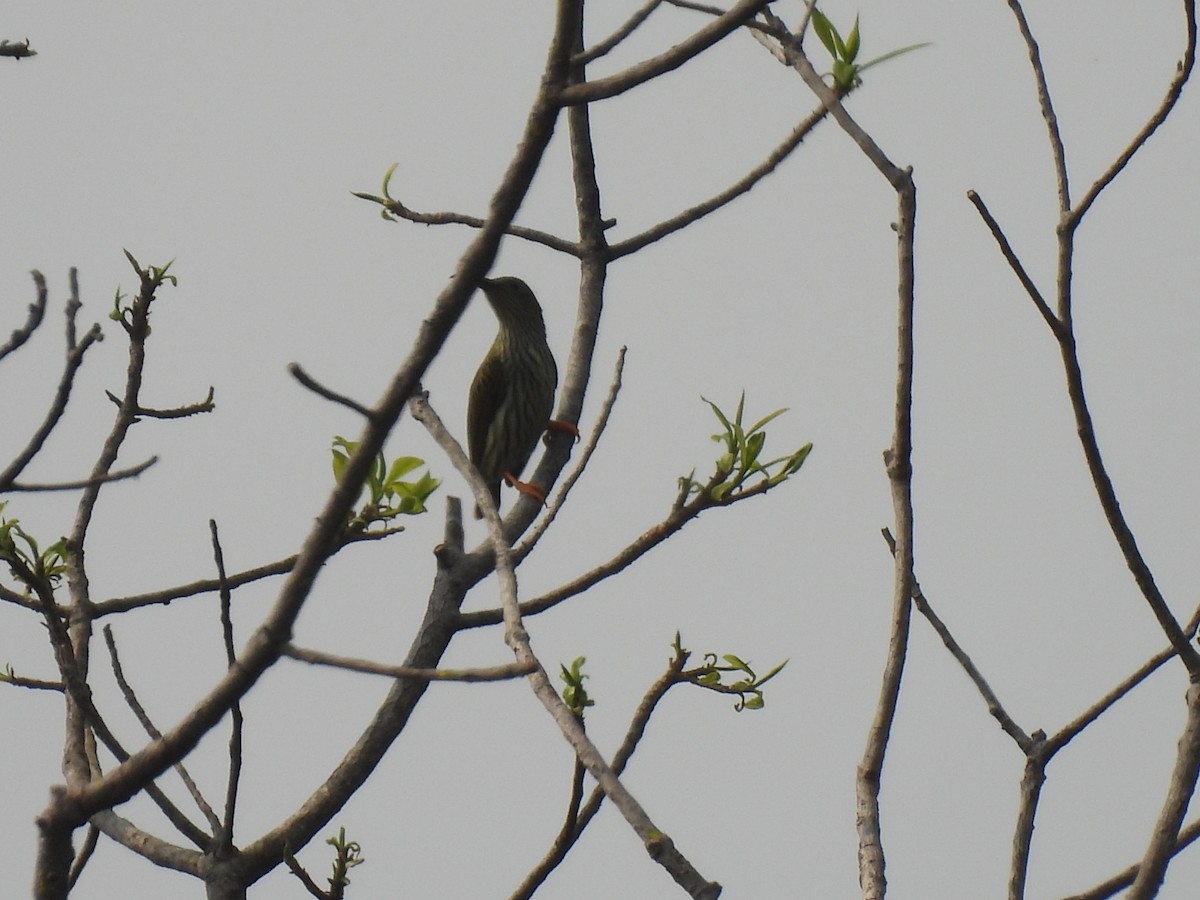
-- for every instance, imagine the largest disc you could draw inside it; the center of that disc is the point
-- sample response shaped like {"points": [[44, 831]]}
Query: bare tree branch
{"points": [[224, 831], [321, 391], [1183, 72], [590, 91], [995, 707], [723, 198], [1048, 115], [505, 672], [1014, 263], [658, 845], [640, 15], [62, 394], [178, 412], [37, 311], [118, 475], [189, 829], [588, 449]]}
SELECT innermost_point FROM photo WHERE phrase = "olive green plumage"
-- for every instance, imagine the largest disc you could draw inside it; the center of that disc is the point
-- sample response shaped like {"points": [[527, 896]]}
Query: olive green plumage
{"points": [[512, 395]]}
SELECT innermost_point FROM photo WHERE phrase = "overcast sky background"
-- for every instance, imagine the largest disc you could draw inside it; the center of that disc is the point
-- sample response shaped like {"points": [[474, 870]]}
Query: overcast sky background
{"points": [[229, 136]]}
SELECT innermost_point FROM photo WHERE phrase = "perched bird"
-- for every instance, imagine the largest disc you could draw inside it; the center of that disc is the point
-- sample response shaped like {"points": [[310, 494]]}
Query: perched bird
{"points": [[512, 395]]}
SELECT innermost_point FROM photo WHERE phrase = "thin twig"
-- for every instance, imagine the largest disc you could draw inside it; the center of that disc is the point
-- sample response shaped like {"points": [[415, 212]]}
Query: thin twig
{"points": [[590, 91], [995, 707], [83, 856], [723, 198], [1183, 71], [589, 448], [534, 236], [321, 391], [1068, 732], [37, 311], [224, 834], [179, 412], [625, 30], [298, 870], [58, 405], [139, 711], [1123, 879], [506, 672], [117, 475], [1014, 263], [647, 541], [566, 838], [633, 736], [1048, 116], [33, 684]]}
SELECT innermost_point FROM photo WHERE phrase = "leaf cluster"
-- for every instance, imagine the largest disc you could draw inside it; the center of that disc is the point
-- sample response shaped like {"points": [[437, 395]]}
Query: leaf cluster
{"points": [[24, 556], [740, 460], [388, 494], [711, 675], [575, 695], [846, 71]]}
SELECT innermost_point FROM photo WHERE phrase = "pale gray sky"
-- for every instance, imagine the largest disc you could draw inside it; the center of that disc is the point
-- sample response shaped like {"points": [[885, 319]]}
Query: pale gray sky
{"points": [[229, 136]]}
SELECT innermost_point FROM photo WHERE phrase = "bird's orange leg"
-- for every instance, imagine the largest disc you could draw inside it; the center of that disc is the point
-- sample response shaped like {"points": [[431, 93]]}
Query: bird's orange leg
{"points": [[537, 492], [561, 426]]}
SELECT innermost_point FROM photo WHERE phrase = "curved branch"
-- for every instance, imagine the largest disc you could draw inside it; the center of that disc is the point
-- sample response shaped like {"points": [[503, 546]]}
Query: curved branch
{"points": [[321, 391], [534, 236], [601, 89], [1182, 73], [37, 311], [62, 394], [118, 475], [178, 412]]}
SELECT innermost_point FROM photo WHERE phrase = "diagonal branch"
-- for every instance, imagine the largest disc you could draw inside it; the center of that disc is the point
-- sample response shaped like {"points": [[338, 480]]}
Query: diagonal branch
{"points": [[1183, 72], [658, 844], [731, 193], [590, 91]]}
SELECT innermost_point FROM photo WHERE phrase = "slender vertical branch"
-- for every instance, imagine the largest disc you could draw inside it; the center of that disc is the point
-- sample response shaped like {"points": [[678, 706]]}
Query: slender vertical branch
{"points": [[1179, 794], [1047, 107], [224, 835]]}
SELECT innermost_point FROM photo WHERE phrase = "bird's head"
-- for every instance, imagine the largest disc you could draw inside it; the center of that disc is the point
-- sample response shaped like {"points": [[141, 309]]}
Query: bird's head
{"points": [[514, 303]]}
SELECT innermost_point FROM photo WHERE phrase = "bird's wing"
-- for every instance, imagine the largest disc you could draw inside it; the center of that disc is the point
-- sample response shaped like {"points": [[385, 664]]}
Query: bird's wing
{"points": [[487, 393]]}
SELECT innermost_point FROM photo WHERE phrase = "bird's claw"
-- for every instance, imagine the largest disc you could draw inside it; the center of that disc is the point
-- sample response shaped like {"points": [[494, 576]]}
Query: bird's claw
{"points": [[528, 488], [562, 427]]}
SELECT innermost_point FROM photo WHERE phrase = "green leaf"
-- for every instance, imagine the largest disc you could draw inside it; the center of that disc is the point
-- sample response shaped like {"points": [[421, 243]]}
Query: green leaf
{"points": [[339, 464], [825, 31], [755, 701], [725, 423], [852, 42], [765, 419], [401, 466]]}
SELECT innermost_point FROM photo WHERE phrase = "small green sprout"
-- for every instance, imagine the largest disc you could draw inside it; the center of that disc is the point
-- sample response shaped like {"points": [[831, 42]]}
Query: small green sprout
{"points": [[575, 695], [389, 495], [740, 460], [846, 71]]}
